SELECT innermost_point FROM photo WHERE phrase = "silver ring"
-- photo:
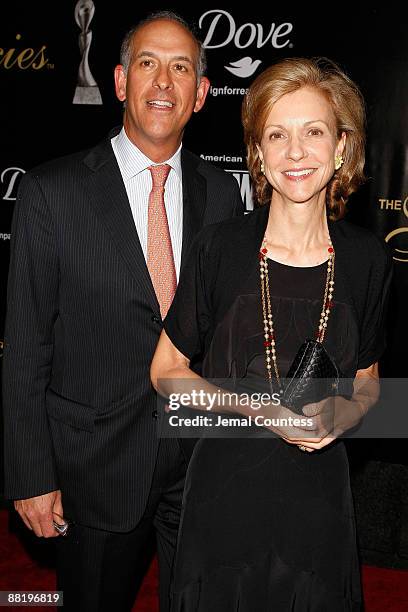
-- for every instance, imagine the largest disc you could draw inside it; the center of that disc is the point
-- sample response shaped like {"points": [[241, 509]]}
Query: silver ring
{"points": [[302, 448], [62, 529]]}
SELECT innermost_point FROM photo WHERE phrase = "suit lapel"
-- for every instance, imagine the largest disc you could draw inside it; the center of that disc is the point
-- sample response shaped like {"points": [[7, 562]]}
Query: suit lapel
{"points": [[194, 200], [108, 196]]}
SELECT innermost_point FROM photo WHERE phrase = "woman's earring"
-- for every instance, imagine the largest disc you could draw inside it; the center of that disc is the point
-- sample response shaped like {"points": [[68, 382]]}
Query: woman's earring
{"points": [[338, 162], [262, 167]]}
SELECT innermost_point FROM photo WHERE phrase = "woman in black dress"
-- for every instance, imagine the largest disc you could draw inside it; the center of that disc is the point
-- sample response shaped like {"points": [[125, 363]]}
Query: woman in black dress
{"points": [[268, 520]]}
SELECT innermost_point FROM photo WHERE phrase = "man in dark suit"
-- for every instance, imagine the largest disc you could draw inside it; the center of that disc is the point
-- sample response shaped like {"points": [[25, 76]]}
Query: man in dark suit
{"points": [[98, 240]]}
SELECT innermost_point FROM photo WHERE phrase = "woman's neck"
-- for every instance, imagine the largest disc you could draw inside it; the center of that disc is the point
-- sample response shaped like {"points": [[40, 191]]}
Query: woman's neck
{"points": [[297, 233]]}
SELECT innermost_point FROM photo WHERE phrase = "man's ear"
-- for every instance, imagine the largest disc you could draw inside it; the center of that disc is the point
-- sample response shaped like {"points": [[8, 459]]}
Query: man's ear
{"points": [[202, 91], [120, 83]]}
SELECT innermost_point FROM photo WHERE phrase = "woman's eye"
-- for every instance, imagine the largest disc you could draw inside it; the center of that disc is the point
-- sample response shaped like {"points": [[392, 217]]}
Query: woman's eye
{"points": [[315, 132], [276, 135]]}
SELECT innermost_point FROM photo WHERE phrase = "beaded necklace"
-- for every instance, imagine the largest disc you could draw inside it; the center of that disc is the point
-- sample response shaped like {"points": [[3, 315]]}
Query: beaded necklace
{"points": [[269, 333]]}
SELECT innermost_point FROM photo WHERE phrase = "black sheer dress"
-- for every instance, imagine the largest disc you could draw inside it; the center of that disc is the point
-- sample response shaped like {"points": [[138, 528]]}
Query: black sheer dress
{"points": [[265, 526]]}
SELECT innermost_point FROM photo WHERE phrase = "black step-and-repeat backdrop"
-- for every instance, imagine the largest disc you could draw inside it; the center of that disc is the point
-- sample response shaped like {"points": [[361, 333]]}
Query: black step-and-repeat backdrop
{"points": [[57, 96]]}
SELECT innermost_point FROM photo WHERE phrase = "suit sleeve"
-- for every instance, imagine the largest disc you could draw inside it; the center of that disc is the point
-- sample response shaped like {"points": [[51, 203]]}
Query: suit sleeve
{"points": [[32, 308]]}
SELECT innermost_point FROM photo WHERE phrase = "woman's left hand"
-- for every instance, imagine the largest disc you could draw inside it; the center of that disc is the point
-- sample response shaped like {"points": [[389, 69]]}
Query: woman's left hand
{"points": [[332, 417], [335, 415]]}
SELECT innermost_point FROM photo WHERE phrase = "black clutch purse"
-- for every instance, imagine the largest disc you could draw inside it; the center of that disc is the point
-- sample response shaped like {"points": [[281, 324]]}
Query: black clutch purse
{"points": [[312, 377]]}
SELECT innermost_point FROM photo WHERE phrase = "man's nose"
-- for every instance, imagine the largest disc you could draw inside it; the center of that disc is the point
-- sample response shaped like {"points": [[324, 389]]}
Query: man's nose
{"points": [[162, 78]]}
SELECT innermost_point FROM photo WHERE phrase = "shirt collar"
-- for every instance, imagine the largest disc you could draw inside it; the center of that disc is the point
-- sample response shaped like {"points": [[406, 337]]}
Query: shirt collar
{"points": [[132, 160]]}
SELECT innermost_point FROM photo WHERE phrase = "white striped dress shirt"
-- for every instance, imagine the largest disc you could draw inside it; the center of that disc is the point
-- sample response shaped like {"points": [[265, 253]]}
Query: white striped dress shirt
{"points": [[133, 165]]}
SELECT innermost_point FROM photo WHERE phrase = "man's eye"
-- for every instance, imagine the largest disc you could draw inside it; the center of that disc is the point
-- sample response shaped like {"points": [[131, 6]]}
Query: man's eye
{"points": [[180, 67], [146, 63]]}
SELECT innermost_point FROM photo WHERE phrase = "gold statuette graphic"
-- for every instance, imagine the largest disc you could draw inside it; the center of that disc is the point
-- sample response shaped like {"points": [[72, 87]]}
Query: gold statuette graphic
{"points": [[87, 90]]}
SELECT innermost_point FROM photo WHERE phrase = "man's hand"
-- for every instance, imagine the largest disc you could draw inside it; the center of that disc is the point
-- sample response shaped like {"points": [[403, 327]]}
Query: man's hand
{"points": [[37, 513]]}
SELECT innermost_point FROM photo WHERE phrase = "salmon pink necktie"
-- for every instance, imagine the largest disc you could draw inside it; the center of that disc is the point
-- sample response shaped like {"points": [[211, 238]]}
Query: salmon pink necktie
{"points": [[160, 260]]}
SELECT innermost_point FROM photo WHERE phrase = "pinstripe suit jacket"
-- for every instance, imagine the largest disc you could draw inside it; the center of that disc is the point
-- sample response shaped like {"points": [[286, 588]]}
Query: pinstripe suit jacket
{"points": [[81, 329]]}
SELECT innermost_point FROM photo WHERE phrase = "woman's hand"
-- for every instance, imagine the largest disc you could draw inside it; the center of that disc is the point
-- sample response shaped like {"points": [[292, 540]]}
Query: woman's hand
{"points": [[321, 424], [291, 427], [333, 416]]}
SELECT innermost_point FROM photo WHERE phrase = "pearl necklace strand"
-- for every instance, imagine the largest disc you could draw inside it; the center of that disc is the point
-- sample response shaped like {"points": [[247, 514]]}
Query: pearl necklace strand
{"points": [[269, 334]]}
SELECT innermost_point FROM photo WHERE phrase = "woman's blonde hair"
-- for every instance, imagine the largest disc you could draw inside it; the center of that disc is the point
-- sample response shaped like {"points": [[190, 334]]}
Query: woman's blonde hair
{"points": [[348, 107]]}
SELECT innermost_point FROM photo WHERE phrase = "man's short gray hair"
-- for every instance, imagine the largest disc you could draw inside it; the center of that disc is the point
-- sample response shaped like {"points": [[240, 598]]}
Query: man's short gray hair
{"points": [[126, 48]]}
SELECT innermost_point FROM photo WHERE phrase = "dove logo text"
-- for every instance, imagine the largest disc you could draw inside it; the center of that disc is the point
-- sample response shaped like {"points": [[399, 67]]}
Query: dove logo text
{"points": [[222, 30]]}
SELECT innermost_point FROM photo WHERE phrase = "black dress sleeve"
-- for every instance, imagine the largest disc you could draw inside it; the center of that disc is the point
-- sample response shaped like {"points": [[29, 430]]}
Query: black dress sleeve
{"points": [[373, 333], [189, 319]]}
